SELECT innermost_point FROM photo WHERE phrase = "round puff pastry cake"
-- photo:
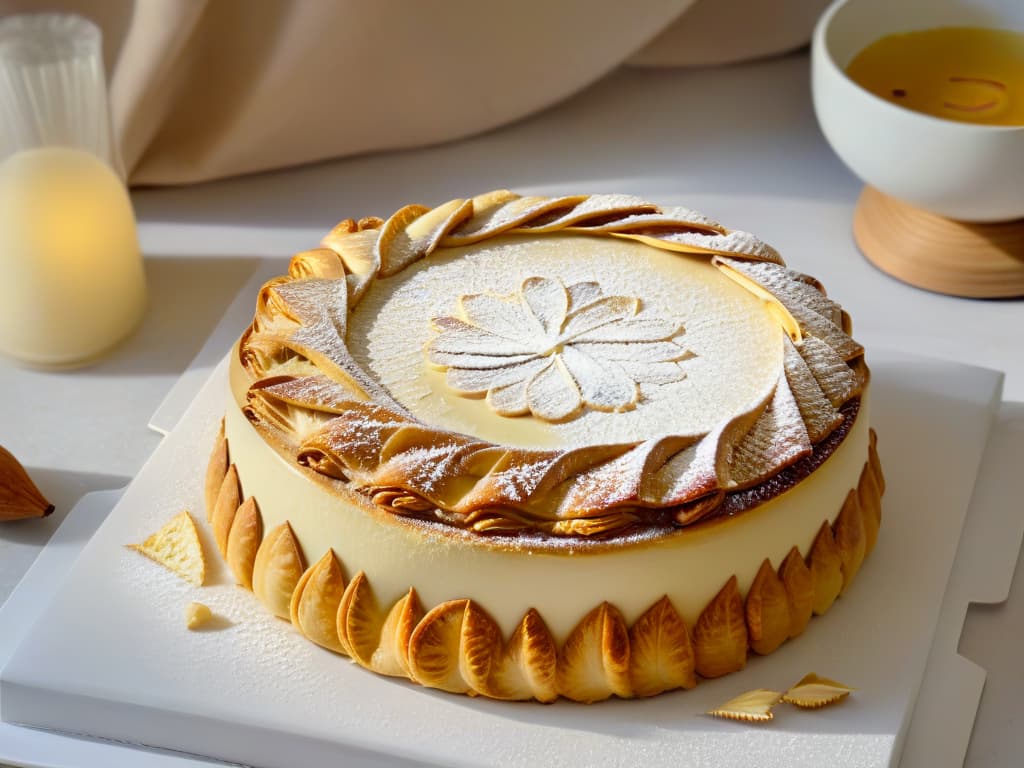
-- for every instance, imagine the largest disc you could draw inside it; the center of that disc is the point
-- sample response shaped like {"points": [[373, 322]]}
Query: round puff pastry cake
{"points": [[529, 447]]}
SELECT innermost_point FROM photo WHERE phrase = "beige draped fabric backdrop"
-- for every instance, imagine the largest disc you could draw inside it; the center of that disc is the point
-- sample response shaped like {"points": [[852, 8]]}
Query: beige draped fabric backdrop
{"points": [[202, 89]]}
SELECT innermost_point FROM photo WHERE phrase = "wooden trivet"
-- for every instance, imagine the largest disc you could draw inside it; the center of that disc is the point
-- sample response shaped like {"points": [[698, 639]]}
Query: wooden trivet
{"points": [[975, 260]]}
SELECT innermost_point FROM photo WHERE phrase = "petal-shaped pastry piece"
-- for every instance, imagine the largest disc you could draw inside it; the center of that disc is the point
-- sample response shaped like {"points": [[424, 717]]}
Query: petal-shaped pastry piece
{"points": [[768, 619], [476, 381], [655, 373], [224, 508], [814, 692], [216, 470], [314, 604], [435, 469], [510, 399], [318, 312], [720, 635], [466, 360], [603, 387], [660, 653], [526, 669], [498, 212], [316, 392], [789, 286], [735, 243], [391, 657], [817, 315], [777, 439], [502, 316], [414, 437], [296, 405], [548, 302], [593, 207], [619, 479], [522, 474], [244, 541], [373, 640], [870, 504], [826, 570], [593, 664], [413, 232], [648, 352], [359, 621], [850, 538], [796, 578], [358, 252], [552, 394], [277, 570], [669, 219], [833, 375], [819, 414], [435, 648], [583, 293], [460, 338], [607, 309], [634, 331], [480, 648], [687, 475], [390, 235], [352, 442], [750, 707], [319, 262]]}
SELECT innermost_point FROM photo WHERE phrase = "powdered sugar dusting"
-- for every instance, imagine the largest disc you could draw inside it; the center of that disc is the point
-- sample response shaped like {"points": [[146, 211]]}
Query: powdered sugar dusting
{"points": [[582, 348], [734, 341]]}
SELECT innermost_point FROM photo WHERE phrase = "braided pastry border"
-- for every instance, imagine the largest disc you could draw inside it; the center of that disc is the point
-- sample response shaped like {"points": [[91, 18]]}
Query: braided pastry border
{"points": [[371, 442], [457, 647]]}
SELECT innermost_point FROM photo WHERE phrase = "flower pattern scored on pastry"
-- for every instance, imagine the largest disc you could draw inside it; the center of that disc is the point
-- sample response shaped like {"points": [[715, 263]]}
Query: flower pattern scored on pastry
{"points": [[551, 350]]}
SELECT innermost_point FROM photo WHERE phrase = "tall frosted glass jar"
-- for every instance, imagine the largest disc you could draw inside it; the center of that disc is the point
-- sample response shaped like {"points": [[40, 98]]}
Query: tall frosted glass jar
{"points": [[72, 283]]}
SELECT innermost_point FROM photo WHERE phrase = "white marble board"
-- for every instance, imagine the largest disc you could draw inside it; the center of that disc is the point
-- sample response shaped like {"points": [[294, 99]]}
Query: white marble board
{"points": [[110, 656]]}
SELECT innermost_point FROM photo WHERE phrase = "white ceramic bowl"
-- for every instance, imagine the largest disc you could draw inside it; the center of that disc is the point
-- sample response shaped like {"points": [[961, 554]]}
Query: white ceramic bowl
{"points": [[958, 170]]}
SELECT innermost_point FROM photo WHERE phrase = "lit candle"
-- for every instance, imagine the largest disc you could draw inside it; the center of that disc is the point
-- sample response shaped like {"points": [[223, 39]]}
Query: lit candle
{"points": [[71, 274]]}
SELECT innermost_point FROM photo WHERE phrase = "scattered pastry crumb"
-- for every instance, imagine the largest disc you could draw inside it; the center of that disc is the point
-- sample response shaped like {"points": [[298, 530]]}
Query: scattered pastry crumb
{"points": [[197, 615]]}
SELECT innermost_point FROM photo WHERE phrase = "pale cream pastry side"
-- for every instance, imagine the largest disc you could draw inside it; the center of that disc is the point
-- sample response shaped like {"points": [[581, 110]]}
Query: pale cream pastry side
{"points": [[527, 447]]}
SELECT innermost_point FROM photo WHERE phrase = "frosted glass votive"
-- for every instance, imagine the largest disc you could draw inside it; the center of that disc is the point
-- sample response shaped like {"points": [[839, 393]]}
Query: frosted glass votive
{"points": [[72, 283]]}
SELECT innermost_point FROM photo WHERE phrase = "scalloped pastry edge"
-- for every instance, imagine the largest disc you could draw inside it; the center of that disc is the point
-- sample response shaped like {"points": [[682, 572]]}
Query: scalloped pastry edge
{"points": [[456, 646]]}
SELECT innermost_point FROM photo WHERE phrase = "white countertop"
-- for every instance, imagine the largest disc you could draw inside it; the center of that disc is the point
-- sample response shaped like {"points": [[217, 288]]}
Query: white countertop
{"points": [[739, 143]]}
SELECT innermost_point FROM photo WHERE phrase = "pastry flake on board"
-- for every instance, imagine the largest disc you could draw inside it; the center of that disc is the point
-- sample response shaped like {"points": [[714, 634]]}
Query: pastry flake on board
{"points": [[176, 546], [814, 692], [750, 707]]}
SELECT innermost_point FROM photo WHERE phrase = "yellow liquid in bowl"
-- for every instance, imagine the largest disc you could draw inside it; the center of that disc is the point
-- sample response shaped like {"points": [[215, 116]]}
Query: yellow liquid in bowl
{"points": [[968, 74]]}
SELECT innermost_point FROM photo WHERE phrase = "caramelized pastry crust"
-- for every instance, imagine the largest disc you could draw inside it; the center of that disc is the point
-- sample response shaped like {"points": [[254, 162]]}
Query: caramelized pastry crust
{"points": [[456, 646], [553, 350], [593, 381]]}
